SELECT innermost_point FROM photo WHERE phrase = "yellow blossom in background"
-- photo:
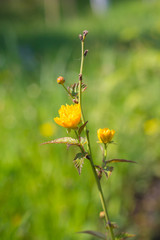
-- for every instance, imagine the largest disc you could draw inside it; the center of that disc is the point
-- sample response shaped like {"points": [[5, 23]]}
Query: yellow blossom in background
{"points": [[152, 126], [47, 129], [16, 220], [70, 116], [105, 135]]}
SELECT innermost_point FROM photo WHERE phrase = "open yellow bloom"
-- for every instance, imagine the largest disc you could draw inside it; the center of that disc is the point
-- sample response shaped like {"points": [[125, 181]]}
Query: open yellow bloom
{"points": [[70, 116], [105, 135]]}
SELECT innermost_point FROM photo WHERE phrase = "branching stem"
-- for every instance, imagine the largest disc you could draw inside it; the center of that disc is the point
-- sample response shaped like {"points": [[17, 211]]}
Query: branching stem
{"points": [[89, 149]]}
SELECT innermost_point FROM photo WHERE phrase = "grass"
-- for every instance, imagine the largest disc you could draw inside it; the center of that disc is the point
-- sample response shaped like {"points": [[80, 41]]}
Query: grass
{"points": [[42, 196]]}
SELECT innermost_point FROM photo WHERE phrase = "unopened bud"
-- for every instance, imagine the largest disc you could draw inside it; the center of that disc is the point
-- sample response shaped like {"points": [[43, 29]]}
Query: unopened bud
{"points": [[80, 37], [85, 52], [102, 214], [85, 32], [99, 173], [75, 101], [80, 77], [60, 80]]}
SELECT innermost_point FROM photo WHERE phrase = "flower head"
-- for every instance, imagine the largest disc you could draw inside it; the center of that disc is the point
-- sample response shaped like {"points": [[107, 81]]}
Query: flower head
{"points": [[105, 135], [70, 116], [60, 80]]}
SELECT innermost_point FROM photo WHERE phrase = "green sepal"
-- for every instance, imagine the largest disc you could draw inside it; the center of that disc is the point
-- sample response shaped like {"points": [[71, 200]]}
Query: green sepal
{"points": [[94, 233], [73, 89], [79, 161], [108, 171]]}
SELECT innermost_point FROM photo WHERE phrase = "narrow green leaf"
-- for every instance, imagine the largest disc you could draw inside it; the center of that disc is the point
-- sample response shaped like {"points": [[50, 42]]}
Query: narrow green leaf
{"points": [[79, 161], [81, 128], [119, 160], [94, 233], [124, 235], [65, 140]]}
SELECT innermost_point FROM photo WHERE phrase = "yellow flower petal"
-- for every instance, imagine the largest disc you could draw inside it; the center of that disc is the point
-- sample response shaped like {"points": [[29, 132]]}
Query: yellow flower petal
{"points": [[70, 116], [105, 135]]}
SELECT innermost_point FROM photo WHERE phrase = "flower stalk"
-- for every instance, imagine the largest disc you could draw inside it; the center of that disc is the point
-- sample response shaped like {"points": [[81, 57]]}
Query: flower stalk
{"points": [[89, 146]]}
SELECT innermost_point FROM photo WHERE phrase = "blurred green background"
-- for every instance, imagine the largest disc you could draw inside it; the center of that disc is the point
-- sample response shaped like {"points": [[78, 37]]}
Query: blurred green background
{"points": [[42, 197]]}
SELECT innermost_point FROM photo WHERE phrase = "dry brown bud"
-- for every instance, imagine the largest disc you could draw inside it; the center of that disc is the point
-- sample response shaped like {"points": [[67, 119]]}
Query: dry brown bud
{"points": [[85, 52], [80, 77], [75, 101], [85, 32], [80, 37]]}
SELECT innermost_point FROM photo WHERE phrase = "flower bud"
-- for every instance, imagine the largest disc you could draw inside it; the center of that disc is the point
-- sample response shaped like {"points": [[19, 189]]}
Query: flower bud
{"points": [[80, 37], [85, 32], [85, 52], [105, 135], [102, 214], [60, 80]]}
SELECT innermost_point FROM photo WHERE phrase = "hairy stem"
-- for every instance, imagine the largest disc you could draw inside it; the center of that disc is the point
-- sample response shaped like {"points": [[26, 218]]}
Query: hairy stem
{"points": [[89, 148]]}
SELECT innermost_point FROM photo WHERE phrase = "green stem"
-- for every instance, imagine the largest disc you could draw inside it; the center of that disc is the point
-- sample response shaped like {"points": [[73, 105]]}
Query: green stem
{"points": [[105, 154], [89, 148], [80, 80], [104, 206], [67, 91]]}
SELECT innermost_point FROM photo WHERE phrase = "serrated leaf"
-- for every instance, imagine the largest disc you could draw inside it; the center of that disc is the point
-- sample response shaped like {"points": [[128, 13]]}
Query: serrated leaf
{"points": [[108, 171], [119, 160], [125, 235], [81, 128], [83, 140], [94, 233], [65, 140], [79, 161]]}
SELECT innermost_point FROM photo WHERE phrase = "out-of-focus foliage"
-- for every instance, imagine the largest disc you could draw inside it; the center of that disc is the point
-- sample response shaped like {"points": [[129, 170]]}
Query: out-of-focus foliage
{"points": [[41, 193]]}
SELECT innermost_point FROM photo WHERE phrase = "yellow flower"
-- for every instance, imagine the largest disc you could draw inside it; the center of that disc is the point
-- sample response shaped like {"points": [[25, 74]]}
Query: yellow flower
{"points": [[47, 129], [152, 126], [70, 116], [105, 135], [60, 80]]}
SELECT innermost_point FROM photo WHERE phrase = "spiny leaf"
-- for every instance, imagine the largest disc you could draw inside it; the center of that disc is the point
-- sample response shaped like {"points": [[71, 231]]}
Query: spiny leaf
{"points": [[94, 233], [81, 128], [79, 161], [119, 160], [124, 235], [108, 171], [66, 140]]}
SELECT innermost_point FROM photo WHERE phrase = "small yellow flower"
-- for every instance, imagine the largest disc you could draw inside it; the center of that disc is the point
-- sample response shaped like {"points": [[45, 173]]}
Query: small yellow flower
{"points": [[47, 129], [60, 80], [70, 116], [105, 135], [152, 126]]}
